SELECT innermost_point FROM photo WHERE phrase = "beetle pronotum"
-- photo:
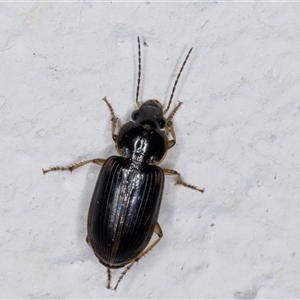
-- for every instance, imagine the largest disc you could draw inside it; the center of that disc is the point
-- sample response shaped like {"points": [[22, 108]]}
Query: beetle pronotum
{"points": [[126, 200]]}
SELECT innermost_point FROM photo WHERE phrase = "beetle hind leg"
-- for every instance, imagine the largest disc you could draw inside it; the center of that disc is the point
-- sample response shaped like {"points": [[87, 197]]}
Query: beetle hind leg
{"points": [[108, 278], [159, 233]]}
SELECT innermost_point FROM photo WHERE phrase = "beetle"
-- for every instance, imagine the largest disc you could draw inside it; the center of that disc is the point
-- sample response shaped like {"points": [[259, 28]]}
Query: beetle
{"points": [[126, 200]]}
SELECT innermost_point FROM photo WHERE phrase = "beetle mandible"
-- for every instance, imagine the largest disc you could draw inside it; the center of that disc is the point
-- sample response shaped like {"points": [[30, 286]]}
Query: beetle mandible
{"points": [[126, 200]]}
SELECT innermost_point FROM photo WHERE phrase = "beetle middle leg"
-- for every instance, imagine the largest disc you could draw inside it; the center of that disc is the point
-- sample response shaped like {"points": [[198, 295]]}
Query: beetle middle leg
{"points": [[98, 161], [181, 181], [158, 231]]}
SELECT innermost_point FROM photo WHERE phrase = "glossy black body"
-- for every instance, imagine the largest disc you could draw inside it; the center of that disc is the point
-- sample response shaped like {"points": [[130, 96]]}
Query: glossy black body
{"points": [[124, 210], [127, 196]]}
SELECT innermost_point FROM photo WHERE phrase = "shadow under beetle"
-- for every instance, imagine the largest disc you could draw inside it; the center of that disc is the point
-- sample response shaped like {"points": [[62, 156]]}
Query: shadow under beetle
{"points": [[126, 200]]}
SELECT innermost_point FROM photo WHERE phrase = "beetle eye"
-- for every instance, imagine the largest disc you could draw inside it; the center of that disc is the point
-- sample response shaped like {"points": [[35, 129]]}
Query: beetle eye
{"points": [[135, 115], [161, 123]]}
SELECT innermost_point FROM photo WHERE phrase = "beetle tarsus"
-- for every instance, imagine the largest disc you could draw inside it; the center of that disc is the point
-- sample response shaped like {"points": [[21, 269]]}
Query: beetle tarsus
{"points": [[98, 161], [180, 181]]}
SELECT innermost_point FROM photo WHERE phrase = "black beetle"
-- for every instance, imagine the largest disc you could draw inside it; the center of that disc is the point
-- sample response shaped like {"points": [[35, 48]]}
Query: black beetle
{"points": [[126, 200]]}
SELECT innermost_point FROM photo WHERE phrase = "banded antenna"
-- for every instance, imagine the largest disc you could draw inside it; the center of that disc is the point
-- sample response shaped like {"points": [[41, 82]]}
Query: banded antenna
{"points": [[140, 72], [176, 81]]}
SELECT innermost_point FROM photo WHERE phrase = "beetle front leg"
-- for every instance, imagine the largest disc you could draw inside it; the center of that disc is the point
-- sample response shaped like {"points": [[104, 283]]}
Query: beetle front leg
{"points": [[181, 181], [98, 161], [170, 125], [113, 119], [157, 230]]}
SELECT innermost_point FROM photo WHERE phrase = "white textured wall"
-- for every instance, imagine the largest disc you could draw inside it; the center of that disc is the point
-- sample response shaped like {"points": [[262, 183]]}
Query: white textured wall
{"points": [[238, 136]]}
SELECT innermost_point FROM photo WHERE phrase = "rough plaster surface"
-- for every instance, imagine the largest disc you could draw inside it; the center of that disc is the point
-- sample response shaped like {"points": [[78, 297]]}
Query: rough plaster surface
{"points": [[237, 132]]}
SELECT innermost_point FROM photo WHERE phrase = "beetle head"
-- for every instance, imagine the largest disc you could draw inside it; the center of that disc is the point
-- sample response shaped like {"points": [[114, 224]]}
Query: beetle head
{"points": [[150, 113]]}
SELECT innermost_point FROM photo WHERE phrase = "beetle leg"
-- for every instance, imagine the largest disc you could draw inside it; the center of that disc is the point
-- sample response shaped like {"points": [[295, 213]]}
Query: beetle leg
{"points": [[113, 119], [98, 161], [158, 231], [170, 125], [108, 269], [108, 278], [181, 181]]}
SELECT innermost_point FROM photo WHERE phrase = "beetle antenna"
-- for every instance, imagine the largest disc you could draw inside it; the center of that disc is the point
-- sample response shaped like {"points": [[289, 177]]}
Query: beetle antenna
{"points": [[139, 74], [176, 81]]}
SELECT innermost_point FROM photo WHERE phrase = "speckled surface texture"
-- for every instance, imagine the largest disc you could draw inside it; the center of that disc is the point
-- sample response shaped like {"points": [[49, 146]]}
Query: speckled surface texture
{"points": [[237, 136]]}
